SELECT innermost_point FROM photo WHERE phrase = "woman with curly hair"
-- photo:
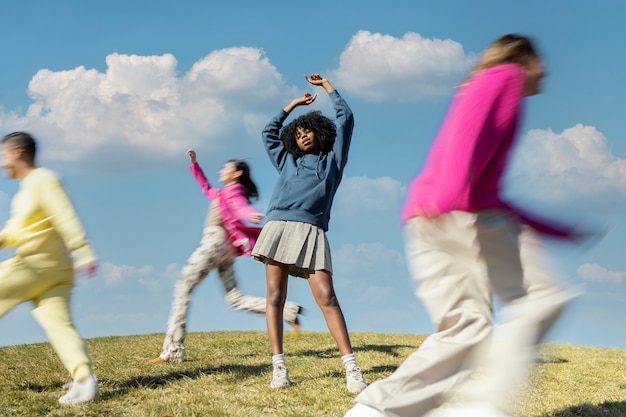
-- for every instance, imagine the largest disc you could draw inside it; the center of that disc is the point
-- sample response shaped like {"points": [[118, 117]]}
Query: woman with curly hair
{"points": [[309, 154]]}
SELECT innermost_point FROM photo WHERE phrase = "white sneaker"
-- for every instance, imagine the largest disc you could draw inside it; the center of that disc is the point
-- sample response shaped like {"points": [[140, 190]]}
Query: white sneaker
{"points": [[362, 410], [280, 378], [468, 410], [80, 392], [354, 380]]}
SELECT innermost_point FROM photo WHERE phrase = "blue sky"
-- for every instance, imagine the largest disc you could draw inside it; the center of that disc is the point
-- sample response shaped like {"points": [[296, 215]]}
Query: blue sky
{"points": [[117, 91]]}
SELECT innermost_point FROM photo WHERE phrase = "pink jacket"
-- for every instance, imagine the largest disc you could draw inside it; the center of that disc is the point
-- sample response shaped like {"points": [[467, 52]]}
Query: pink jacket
{"points": [[470, 153], [234, 209]]}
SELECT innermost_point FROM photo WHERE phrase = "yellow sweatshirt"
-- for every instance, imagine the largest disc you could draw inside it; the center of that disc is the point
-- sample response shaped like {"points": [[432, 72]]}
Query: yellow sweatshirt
{"points": [[44, 226]]}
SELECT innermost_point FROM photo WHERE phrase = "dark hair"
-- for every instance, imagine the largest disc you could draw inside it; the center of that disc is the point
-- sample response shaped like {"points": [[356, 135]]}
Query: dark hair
{"points": [[324, 128], [22, 140], [245, 180]]}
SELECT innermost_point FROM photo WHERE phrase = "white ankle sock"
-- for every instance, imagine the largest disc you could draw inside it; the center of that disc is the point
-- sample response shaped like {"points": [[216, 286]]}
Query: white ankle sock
{"points": [[349, 361], [279, 360]]}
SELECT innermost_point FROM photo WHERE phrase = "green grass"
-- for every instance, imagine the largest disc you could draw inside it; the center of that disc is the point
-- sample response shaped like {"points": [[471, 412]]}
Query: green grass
{"points": [[228, 374]]}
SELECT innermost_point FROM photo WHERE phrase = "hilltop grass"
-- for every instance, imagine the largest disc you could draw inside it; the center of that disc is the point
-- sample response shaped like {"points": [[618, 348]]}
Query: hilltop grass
{"points": [[228, 374]]}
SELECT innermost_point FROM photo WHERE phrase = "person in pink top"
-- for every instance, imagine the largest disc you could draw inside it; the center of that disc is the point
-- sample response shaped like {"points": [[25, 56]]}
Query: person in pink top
{"points": [[226, 236], [463, 243]]}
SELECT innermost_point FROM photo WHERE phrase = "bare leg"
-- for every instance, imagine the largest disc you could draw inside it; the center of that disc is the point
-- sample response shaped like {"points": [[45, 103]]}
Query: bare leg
{"points": [[277, 279], [321, 283]]}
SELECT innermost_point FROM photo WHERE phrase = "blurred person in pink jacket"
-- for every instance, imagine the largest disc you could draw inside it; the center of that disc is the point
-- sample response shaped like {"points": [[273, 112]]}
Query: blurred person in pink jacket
{"points": [[463, 244], [225, 237]]}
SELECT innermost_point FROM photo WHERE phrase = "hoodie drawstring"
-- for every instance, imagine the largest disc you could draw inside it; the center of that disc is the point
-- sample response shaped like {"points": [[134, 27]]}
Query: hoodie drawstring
{"points": [[317, 165]]}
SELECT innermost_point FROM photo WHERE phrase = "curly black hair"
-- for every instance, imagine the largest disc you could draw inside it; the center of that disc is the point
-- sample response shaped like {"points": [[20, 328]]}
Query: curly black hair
{"points": [[324, 128]]}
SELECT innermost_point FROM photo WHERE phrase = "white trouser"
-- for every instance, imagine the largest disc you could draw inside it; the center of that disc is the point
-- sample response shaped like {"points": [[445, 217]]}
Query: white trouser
{"points": [[460, 259]]}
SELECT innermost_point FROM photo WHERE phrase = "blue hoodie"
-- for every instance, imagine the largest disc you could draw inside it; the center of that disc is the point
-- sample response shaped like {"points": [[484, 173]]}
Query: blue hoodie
{"points": [[306, 186]]}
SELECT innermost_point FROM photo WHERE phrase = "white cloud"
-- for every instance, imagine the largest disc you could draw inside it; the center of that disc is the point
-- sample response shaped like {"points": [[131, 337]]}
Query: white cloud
{"points": [[146, 276], [370, 271], [596, 273], [576, 164], [141, 112], [381, 67], [367, 257], [363, 194], [377, 293]]}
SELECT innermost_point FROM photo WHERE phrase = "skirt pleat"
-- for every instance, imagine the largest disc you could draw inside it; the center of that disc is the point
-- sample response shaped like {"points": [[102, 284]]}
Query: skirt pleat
{"points": [[302, 246]]}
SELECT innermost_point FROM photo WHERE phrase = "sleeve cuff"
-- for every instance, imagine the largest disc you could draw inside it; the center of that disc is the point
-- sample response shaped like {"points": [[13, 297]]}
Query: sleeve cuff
{"points": [[83, 256]]}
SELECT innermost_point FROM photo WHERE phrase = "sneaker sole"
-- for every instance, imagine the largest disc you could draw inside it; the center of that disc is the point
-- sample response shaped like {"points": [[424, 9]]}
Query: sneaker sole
{"points": [[279, 386], [356, 390]]}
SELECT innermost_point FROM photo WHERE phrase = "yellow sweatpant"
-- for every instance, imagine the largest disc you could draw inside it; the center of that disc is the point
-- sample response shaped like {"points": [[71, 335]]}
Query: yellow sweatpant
{"points": [[49, 289]]}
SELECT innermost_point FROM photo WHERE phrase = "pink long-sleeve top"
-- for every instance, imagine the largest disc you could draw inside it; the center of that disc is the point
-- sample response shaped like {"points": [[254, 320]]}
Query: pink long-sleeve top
{"points": [[468, 158], [234, 209]]}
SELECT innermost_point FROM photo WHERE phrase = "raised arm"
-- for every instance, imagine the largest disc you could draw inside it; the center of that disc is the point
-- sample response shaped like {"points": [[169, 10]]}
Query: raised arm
{"points": [[345, 126], [211, 192], [275, 147], [344, 119]]}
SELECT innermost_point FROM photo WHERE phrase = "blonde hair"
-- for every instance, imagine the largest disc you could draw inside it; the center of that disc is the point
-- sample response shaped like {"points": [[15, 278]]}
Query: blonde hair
{"points": [[507, 49]]}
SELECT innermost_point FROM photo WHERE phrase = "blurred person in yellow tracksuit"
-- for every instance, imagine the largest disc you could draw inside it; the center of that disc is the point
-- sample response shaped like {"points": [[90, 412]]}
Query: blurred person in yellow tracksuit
{"points": [[45, 230]]}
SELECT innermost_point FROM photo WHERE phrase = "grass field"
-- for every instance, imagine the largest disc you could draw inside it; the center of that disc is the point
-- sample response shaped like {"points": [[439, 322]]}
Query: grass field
{"points": [[228, 374]]}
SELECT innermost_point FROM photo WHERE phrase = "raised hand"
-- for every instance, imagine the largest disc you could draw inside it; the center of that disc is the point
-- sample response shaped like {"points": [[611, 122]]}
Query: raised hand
{"points": [[192, 155], [317, 79], [305, 100]]}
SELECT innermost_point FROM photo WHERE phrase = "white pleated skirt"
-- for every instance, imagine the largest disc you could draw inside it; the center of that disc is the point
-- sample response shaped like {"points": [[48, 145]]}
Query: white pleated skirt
{"points": [[302, 246]]}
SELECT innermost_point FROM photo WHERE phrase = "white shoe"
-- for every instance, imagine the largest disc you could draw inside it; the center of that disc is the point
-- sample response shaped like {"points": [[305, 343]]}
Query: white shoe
{"points": [[362, 410], [280, 377], [354, 380], [80, 392], [468, 410]]}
